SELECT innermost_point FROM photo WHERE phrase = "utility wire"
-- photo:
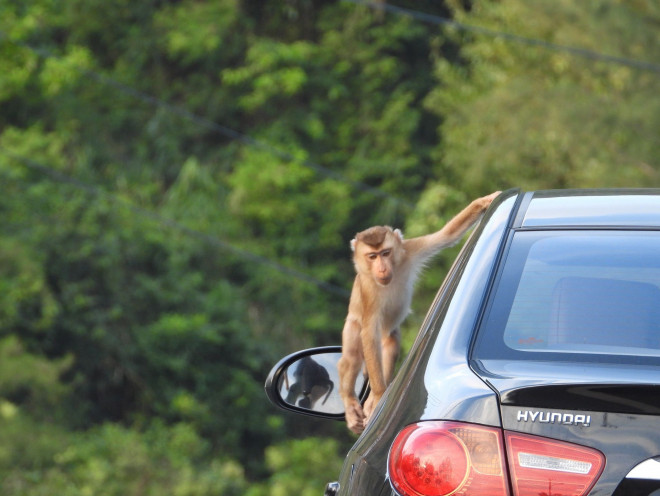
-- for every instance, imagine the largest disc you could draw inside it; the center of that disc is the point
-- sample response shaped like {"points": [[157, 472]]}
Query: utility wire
{"points": [[96, 191], [444, 21], [219, 128]]}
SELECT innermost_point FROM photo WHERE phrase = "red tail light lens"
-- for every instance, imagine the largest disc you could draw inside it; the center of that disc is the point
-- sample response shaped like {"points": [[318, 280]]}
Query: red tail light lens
{"points": [[444, 458], [452, 458], [552, 468]]}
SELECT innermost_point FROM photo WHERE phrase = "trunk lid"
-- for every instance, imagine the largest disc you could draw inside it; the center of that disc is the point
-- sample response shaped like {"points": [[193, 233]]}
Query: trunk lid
{"points": [[604, 406]]}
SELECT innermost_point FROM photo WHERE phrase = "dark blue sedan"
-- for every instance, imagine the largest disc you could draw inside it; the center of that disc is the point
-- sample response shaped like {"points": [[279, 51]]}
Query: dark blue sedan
{"points": [[536, 371]]}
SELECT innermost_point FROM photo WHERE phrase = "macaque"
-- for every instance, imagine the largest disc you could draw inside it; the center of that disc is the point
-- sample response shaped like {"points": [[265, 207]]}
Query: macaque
{"points": [[312, 382], [387, 267]]}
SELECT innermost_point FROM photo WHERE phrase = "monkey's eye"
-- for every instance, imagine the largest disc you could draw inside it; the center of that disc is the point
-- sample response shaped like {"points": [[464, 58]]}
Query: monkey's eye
{"points": [[386, 253], [372, 256]]}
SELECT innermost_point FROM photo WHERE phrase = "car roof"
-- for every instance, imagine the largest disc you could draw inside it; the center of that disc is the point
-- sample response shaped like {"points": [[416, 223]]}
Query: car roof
{"points": [[589, 208]]}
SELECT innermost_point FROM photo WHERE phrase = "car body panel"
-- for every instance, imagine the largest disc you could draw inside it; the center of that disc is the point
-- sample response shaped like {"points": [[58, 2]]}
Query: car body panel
{"points": [[630, 389], [579, 208]]}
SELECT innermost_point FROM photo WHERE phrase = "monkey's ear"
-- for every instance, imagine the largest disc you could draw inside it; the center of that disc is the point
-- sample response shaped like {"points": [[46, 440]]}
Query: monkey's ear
{"points": [[353, 241], [399, 233]]}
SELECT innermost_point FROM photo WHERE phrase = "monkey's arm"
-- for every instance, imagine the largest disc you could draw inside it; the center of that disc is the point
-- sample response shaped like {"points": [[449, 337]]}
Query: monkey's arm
{"points": [[373, 357], [361, 343], [389, 346], [424, 247], [349, 367], [352, 358]]}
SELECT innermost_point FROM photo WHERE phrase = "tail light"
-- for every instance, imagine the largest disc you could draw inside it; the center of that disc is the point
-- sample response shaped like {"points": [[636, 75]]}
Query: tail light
{"points": [[443, 458], [546, 466], [451, 458]]}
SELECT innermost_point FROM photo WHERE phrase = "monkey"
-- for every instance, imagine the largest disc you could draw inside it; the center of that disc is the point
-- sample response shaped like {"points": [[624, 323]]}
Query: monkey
{"points": [[387, 266], [312, 383]]}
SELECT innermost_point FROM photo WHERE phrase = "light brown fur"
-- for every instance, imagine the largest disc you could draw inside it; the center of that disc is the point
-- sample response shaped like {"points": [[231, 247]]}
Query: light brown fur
{"points": [[387, 267]]}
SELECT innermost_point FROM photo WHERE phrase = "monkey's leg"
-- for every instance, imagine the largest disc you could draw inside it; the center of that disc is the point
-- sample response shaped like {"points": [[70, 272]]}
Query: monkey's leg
{"points": [[391, 345]]}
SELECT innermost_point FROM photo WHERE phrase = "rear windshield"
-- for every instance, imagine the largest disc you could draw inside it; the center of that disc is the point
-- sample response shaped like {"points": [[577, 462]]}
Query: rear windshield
{"points": [[565, 293]]}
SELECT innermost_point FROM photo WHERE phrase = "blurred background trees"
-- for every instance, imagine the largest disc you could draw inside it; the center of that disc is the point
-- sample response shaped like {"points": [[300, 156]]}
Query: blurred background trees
{"points": [[180, 180]]}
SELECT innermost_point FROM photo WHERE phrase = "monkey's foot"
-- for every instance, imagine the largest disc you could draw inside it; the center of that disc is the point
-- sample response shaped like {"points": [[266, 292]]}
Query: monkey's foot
{"points": [[355, 417], [369, 407]]}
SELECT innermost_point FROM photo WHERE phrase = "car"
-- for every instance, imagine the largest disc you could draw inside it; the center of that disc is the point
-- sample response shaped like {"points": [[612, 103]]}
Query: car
{"points": [[536, 370]]}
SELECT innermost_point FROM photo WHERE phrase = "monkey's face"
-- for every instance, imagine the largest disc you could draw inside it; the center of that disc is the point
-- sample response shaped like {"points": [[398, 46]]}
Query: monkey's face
{"points": [[378, 261], [381, 265], [376, 252]]}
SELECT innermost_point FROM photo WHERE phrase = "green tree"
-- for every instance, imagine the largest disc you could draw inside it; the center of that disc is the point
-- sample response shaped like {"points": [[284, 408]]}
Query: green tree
{"points": [[541, 116], [180, 181]]}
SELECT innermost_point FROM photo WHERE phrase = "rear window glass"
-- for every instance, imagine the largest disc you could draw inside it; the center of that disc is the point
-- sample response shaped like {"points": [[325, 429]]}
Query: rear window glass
{"points": [[594, 293]]}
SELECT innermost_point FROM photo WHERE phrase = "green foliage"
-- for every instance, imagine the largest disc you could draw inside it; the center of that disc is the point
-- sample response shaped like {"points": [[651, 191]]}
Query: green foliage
{"points": [[541, 117], [196, 30], [30, 382], [111, 460], [180, 181], [300, 467]]}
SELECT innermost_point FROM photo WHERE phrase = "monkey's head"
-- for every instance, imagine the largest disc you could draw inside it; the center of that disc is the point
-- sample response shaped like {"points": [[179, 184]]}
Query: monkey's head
{"points": [[376, 253]]}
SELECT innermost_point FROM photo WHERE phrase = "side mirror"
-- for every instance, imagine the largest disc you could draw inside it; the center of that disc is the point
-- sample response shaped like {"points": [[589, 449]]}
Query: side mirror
{"points": [[307, 382]]}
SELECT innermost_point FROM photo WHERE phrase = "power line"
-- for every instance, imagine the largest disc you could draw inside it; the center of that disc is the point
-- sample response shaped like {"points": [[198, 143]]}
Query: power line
{"points": [[219, 128], [96, 191], [444, 21]]}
